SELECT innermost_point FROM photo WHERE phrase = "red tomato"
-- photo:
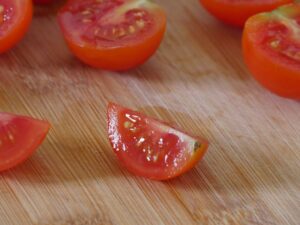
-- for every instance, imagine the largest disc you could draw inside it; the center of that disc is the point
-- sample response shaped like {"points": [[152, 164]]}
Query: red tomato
{"points": [[19, 138], [271, 46], [236, 12], [150, 148], [15, 18], [113, 35]]}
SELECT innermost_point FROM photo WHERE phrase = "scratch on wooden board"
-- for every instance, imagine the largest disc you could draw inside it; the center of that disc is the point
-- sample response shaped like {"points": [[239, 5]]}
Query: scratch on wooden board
{"points": [[94, 220], [248, 215]]}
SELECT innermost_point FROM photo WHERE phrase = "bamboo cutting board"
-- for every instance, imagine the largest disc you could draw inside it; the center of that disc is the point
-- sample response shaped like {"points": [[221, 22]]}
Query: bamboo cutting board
{"points": [[197, 80]]}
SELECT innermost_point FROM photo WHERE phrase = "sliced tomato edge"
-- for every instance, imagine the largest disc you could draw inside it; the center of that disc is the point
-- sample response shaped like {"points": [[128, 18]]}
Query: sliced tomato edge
{"points": [[242, 18], [29, 150], [200, 152]]}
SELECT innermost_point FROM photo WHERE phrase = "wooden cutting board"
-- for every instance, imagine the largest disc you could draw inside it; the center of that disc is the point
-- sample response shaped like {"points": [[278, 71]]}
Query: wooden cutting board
{"points": [[197, 80]]}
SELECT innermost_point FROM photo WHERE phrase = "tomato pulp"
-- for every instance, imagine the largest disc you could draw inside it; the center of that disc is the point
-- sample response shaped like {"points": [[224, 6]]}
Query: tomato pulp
{"points": [[15, 18], [113, 35], [236, 12], [43, 1], [150, 148], [19, 138], [271, 48]]}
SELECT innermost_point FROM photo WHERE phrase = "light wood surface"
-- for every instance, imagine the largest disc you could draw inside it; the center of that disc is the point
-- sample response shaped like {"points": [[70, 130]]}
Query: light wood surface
{"points": [[196, 80]]}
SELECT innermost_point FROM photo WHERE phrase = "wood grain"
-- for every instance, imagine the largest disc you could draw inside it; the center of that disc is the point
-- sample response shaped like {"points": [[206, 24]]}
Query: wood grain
{"points": [[197, 80]]}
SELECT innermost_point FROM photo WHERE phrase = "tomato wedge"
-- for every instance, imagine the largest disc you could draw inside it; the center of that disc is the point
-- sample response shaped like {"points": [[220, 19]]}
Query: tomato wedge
{"points": [[19, 138], [150, 148], [271, 46], [15, 18], [236, 12], [112, 34]]}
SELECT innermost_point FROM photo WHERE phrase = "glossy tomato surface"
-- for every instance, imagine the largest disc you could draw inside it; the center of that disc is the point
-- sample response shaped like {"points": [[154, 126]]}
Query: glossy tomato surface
{"points": [[19, 138], [113, 35], [15, 18], [271, 46], [150, 148], [236, 12]]}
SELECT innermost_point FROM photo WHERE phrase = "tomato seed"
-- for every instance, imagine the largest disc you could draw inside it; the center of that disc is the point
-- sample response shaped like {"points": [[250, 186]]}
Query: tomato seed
{"points": [[114, 30], [121, 32], [275, 43], [128, 124], [140, 23], [11, 137], [139, 14], [85, 20], [96, 31], [86, 12], [155, 158], [131, 29]]}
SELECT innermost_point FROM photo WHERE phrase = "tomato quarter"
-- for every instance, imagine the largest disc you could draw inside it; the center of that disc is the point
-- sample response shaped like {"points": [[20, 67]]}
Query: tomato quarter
{"points": [[271, 46], [112, 34], [150, 148], [236, 12], [19, 138], [15, 18]]}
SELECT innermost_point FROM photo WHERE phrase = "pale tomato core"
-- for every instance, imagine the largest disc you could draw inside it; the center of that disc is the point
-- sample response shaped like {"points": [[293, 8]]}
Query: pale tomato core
{"points": [[102, 23], [281, 36]]}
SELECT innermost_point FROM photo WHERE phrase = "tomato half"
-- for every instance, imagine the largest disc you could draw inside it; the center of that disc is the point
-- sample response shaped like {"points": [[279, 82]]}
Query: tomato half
{"points": [[19, 138], [151, 148], [236, 12], [15, 18], [271, 46], [112, 34]]}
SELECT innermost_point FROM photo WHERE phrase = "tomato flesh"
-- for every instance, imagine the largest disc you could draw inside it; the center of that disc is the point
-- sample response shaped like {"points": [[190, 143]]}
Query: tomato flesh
{"points": [[19, 138], [236, 12], [113, 35], [15, 18], [271, 48], [43, 1], [150, 148]]}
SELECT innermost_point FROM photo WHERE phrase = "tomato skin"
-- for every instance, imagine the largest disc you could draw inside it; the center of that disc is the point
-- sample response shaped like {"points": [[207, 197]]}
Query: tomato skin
{"points": [[276, 73], [237, 12], [174, 157], [118, 59], [18, 29], [20, 136], [121, 56]]}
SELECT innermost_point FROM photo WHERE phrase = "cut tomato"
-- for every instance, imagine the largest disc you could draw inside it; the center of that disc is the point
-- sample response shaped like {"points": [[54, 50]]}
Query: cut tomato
{"points": [[114, 35], [150, 148], [271, 46], [15, 18], [19, 138], [236, 12]]}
